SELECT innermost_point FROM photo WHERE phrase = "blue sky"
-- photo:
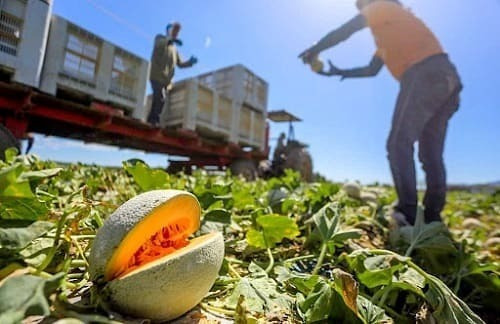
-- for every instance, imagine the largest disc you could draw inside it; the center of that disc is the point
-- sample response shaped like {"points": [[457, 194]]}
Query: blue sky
{"points": [[346, 123]]}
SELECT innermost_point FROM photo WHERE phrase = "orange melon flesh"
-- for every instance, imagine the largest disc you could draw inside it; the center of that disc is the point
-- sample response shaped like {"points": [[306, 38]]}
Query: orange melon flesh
{"points": [[160, 233]]}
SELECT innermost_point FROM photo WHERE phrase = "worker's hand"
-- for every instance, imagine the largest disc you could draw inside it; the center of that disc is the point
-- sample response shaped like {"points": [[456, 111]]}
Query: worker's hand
{"points": [[333, 70], [193, 60], [309, 54]]}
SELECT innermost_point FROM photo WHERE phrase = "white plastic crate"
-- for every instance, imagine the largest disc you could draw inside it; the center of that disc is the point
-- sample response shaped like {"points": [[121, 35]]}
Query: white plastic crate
{"points": [[250, 127], [81, 62], [24, 26], [194, 106], [238, 83]]}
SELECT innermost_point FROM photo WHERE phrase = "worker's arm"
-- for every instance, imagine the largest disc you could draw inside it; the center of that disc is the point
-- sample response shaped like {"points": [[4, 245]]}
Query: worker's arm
{"points": [[370, 70], [335, 37], [185, 64]]}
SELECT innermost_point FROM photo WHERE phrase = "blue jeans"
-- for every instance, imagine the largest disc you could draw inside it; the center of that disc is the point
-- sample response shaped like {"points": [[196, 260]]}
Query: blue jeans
{"points": [[157, 103], [429, 96]]}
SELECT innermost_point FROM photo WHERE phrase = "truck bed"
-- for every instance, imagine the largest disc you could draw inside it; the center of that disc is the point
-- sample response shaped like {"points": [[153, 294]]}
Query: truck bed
{"points": [[24, 110]]}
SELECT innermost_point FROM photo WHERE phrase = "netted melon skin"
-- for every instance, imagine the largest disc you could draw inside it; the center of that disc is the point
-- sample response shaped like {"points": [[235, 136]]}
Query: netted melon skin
{"points": [[169, 288], [120, 222], [352, 189]]}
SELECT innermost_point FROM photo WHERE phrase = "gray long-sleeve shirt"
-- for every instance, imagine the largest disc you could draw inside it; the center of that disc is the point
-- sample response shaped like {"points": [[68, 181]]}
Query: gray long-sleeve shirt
{"points": [[163, 61]]}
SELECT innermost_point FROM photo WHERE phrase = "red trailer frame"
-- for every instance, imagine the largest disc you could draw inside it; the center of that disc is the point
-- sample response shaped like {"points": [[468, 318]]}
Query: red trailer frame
{"points": [[24, 110]]}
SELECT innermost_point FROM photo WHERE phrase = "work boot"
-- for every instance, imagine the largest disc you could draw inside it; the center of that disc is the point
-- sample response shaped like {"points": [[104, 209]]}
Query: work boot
{"points": [[399, 219]]}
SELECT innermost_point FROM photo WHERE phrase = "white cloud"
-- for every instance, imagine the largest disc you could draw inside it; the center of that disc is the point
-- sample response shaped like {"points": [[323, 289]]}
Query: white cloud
{"points": [[208, 41]]}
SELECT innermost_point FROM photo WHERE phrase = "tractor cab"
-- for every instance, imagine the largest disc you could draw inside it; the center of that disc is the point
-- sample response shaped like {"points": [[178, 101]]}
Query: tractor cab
{"points": [[283, 116], [291, 154]]}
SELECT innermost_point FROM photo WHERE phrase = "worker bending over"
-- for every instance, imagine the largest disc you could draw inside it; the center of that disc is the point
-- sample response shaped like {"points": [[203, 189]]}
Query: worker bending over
{"points": [[429, 95], [163, 61]]}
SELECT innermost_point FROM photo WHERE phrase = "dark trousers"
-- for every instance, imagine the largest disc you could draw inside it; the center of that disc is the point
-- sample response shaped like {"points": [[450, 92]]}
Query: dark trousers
{"points": [[157, 103], [428, 97]]}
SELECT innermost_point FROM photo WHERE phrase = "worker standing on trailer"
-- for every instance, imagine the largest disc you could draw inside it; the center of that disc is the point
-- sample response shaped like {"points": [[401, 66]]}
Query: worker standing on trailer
{"points": [[163, 61], [429, 95]]}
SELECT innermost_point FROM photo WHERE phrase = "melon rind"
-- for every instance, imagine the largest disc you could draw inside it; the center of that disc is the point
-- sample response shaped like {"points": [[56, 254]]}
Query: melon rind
{"points": [[352, 189], [121, 222], [170, 286]]}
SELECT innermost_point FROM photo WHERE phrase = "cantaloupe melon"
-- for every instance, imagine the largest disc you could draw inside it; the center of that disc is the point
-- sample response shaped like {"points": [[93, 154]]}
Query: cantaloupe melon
{"points": [[352, 189], [316, 64], [472, 223], [368, 197], [143, 261]]}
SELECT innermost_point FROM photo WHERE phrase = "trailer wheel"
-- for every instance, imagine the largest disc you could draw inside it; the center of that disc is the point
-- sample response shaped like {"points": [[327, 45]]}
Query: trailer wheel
{"points": [[7, 140], [246, 168], [299, 159]]}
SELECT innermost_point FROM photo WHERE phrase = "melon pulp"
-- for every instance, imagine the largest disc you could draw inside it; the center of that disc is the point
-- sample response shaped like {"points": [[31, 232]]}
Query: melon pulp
{"points": [[162, 232], [143, 262], [170, 286]]}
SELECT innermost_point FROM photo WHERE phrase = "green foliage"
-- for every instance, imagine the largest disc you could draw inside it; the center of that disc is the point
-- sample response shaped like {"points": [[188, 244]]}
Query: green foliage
{"points": [[13, 240], [431, 238], [261, 293], [327, 222], [26, 295], [147, 178], [376, 268], [334, 300], [272, 229], [218, 215], [326, 250]]}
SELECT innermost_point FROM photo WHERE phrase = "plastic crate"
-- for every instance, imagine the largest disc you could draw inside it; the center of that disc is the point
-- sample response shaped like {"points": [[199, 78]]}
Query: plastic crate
{"points": [[24, 26], [80, 62], [194, 106], [240, 84], [250, 128]]}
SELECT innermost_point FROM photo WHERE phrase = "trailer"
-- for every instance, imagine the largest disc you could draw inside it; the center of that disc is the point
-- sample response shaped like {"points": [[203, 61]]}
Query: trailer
{"points": [[60, 79], [25, 110]]}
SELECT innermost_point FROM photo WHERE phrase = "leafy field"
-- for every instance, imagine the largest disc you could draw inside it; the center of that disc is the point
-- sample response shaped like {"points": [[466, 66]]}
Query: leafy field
{"points": [[295, 252]]}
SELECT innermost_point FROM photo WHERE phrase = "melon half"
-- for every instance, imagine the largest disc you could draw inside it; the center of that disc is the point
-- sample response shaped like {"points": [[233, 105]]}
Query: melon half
{"points": [[144, 262]]}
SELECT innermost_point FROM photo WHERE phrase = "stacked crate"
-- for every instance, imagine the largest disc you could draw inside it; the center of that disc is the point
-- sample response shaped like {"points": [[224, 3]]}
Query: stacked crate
{"points": [[80, 62], [24, 26], [228, 104], [248, 93], [197, 107]]}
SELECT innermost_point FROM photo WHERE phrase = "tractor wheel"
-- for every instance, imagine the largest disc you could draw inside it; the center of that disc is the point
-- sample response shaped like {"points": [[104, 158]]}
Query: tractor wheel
{"points": [[7, 140], [246, 168], [298, 159]]}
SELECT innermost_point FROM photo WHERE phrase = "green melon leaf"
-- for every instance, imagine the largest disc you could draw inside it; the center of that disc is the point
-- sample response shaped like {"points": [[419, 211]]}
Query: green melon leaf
{"points": [[13, 240], [218, 215], [147, 178], [448, 308], [21, 208], [11, 185], [431, 238], [272, 230], [260, 292], [371, 313], [374, 271], [11, 154], [41, 174], [318, 303], [26, 295]]}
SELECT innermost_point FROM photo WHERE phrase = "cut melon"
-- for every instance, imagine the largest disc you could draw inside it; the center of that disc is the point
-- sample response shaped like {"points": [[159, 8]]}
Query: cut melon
{"points": [[144, 260]]}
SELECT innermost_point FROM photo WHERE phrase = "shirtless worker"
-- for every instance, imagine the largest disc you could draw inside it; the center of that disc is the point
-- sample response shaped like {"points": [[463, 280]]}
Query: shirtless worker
{"points": [[163, 61], [429, 95]]}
